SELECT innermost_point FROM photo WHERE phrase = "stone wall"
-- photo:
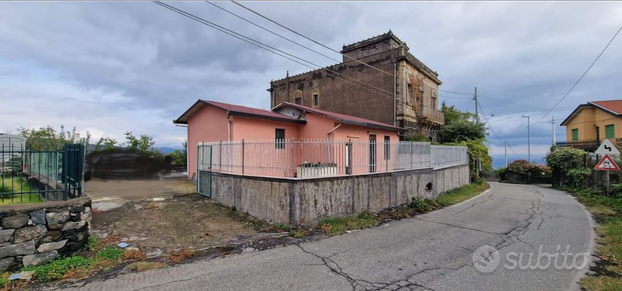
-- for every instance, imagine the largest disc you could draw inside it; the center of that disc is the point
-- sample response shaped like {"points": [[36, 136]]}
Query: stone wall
{"points": [[33, 234], [307, 201]]}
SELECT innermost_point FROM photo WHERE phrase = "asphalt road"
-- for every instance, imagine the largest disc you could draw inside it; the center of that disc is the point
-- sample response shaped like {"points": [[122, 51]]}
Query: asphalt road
{"points": [[428, 252]]}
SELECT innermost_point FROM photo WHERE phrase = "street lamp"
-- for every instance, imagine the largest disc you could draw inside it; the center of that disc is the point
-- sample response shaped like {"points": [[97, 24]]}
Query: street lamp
{"points": [[528, 139]]}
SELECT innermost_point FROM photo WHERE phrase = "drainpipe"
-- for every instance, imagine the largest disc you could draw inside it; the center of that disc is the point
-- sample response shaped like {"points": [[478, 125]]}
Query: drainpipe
{"points": [[330, 158], [228, 128], [229, 141], [395, 93]]}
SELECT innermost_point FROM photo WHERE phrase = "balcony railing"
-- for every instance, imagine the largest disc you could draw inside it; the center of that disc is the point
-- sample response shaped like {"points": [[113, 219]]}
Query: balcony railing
{"points": [[587, 144], [434, 114]]}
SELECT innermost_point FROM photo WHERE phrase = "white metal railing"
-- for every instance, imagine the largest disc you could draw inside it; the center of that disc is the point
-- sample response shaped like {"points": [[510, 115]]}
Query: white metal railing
{"points": [[295, 158], [447, 156]]}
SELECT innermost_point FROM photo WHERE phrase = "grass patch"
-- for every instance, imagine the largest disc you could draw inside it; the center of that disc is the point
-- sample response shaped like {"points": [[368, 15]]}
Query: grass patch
{"points": [[298, 233], [334, 226], [16, 184], [461, 194], [144, 266], [607, 210]]}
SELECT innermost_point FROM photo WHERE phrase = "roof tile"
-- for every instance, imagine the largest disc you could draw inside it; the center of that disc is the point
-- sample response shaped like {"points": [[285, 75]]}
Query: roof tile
{"points": [[339, 116], [248, 110], [611, 105]]}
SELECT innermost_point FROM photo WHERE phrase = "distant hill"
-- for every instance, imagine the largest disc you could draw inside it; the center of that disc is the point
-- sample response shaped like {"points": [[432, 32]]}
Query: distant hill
{"points": [[163, 150], [166, 150]]}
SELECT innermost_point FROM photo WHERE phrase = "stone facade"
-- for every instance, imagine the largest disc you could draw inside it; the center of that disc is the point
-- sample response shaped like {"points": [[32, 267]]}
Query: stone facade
{"points": [[307, 201], [415, 86], [33, 234]]}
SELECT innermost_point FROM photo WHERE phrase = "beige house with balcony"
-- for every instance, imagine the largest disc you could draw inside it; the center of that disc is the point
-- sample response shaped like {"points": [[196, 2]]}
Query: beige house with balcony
{"points": [[591, 123], [399, 89]]}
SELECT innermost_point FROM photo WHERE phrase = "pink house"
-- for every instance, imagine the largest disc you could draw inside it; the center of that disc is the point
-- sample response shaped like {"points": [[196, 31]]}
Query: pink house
{"points": [[283, 141]]}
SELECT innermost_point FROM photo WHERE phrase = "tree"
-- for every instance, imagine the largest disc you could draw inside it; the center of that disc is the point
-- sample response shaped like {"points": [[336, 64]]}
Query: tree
{"points": [[142, 145], [47, 138], [478, 154], [463, 130], [452, 114]]}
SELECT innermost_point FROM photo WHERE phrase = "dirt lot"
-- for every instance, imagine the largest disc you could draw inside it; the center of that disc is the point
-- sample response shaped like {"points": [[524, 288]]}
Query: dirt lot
{"points": [[181, 221], [138, 189]]}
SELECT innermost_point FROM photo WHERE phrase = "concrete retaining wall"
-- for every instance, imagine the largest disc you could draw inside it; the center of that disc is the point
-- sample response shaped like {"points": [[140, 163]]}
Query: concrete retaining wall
{"points": [[33, 234], [307, 201]]}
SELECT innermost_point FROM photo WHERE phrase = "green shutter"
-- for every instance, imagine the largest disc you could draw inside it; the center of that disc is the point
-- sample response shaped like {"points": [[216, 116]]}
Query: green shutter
{"points": [[610, 131], [575, 134]]}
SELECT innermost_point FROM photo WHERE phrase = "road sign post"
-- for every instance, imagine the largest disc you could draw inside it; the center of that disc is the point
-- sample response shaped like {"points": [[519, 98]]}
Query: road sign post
{"points": [[607, 164], [607, 148]]}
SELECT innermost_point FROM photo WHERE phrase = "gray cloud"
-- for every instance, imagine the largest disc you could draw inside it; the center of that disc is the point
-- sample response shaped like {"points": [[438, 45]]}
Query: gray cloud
{"points": [[114, 67]]}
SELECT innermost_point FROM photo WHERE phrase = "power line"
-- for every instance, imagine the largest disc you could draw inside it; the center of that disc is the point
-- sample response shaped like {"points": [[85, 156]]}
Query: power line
{"points": [[272, 32], [273, 49], [454, 92], [453, 97], [469, 105], [268, 47], [581, 78], [516, 104], [312, 40], [493, 130], [327, 47]]}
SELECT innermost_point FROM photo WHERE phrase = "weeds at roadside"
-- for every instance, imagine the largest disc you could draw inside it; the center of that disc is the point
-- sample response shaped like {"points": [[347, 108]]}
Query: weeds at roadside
{"points": [[335, 226], [180, 256], [133, 255], [607, 211], [144, 266]]}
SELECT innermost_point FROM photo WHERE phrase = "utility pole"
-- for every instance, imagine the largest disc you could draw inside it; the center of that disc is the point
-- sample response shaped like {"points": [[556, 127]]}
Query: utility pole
{"points": [[528, 139], [506, 152], [476, 108], [553, 122]]}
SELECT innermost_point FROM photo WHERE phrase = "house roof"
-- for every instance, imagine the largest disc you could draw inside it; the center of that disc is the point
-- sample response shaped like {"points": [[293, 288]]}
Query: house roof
{"points": [[613, 107], [342, 118], [233, 109]]}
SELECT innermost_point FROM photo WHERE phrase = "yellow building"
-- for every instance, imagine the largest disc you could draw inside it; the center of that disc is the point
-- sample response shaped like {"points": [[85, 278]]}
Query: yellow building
{"points": [[591, 123]]}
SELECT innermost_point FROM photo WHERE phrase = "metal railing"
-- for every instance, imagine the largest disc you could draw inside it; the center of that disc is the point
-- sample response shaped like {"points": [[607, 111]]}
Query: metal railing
{"points": [[37, 175], [304, 158], [434, 114], [448, 156]]}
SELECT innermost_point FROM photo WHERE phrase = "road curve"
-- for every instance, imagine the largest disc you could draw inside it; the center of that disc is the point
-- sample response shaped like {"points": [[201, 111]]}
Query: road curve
{"points": [[428, 252]]}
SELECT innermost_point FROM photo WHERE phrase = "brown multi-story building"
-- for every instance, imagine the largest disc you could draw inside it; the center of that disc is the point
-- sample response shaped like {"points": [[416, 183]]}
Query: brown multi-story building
{"points": [[387, 84]]}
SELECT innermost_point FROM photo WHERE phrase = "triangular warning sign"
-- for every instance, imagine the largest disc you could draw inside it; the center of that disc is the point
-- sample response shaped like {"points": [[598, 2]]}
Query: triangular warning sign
{"points": [[607, 164]]}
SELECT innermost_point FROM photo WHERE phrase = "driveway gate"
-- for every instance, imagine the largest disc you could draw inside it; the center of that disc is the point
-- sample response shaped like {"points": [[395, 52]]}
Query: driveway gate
{"points": [[204, 164]]}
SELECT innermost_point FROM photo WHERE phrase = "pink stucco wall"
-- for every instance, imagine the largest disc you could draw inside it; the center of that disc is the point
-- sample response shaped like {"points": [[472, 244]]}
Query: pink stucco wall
{"points": [[209, 124], [249, 128], [263, 157]]}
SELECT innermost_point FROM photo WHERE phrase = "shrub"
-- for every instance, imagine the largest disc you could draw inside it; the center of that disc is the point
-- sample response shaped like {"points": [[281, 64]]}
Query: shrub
{"points": [[418, 204], [577, 178], [564, 160], [616, 190], [525, 167]]}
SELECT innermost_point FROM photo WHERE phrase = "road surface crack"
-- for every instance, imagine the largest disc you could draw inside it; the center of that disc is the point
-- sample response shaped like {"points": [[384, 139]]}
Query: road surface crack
{"points": [[358, 283]]}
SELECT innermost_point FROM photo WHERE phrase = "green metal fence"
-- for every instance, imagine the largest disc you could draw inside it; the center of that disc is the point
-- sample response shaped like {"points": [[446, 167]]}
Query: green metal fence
{"points": [[204, 164], [36, 175]]}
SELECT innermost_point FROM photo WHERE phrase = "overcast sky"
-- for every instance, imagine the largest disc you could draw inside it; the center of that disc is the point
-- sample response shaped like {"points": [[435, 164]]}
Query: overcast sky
{"points": [[108, 68]]}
